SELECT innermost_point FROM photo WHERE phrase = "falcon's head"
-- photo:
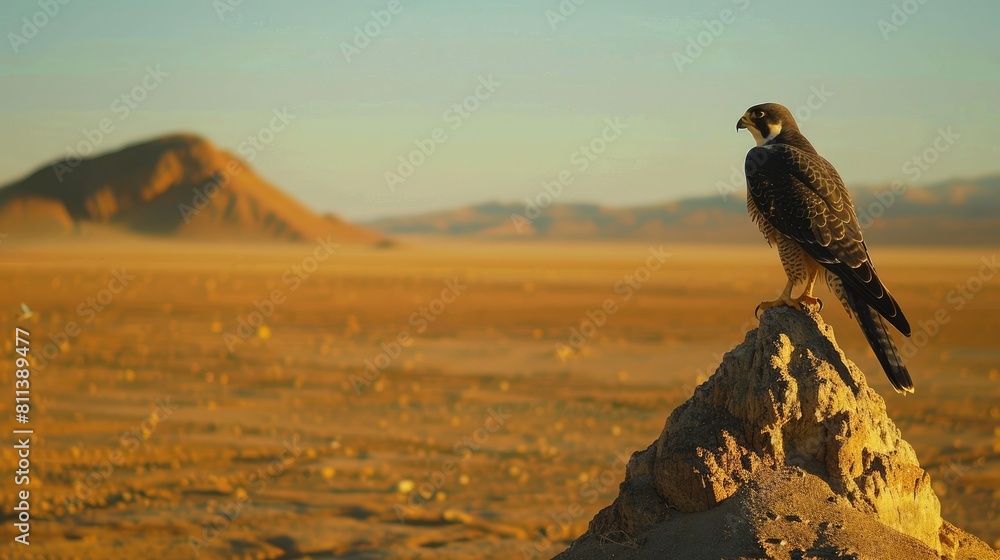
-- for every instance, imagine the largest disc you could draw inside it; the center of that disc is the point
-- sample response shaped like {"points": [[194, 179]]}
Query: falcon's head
{"points": [[766, 121]]}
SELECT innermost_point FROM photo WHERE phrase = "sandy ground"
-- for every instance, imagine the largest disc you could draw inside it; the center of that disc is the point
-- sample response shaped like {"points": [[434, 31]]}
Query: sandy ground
{"points": [[166, 425]]}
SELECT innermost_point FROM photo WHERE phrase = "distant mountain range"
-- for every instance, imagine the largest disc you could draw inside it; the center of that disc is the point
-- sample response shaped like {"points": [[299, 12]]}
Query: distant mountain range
{"points": [[182, 186], [951, 212], [177, 186]]}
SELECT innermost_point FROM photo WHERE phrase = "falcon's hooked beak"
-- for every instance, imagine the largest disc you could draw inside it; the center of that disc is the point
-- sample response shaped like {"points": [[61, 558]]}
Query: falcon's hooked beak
{"points": [[744, 122]]}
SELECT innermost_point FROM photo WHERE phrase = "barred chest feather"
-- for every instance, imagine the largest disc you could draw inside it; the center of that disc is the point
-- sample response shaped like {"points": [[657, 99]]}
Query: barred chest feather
{"points": [[763, 225]]}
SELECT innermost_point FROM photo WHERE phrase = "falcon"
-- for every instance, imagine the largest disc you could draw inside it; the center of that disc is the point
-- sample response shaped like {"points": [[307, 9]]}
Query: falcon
{"points": [[802, 207]]}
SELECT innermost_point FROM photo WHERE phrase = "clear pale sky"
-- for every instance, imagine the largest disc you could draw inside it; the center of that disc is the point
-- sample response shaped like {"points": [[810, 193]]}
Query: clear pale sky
{"points": [[891, 90]]}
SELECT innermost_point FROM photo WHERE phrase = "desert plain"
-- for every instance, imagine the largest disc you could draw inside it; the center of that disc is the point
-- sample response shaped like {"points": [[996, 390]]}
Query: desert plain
{"points": [[429, 399]]}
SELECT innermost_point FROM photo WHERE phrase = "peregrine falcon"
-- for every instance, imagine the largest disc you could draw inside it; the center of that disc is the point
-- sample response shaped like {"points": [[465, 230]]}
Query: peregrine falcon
{"points": [[801, 205]]}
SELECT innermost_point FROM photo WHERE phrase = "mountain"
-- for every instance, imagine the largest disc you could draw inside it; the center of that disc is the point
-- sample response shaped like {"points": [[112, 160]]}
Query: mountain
{"points": [[953, 212], [785, 453], [178, 186]]}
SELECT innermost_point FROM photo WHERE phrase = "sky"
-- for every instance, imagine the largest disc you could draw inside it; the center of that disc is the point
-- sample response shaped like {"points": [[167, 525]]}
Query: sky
{"points": [[628, 102]]}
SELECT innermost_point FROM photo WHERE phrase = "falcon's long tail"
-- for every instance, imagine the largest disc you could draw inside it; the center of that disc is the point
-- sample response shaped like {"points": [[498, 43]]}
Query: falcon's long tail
{"points": [[878, 337]]}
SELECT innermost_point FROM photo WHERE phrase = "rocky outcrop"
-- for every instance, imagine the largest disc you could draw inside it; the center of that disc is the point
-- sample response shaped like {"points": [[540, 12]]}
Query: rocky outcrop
{"points": [[785, 452]]}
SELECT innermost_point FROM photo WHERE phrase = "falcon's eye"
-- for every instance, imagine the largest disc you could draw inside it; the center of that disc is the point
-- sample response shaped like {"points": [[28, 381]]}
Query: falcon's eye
{"points": [[759, 115]]}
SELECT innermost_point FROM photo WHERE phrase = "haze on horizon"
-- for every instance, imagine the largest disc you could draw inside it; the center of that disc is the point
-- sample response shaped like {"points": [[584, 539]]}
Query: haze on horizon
{"points": [[338, 118]]}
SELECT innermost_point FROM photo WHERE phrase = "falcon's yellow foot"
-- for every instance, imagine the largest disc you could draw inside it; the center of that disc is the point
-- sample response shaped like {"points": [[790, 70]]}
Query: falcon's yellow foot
{"points": [[804, 300], [784, 299]]}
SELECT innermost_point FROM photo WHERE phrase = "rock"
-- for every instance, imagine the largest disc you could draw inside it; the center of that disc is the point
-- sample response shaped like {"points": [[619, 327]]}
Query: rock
{"points": [[785, 452]]}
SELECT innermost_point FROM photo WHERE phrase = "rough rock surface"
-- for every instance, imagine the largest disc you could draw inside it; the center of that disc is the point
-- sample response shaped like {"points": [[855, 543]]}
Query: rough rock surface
{"points": [[785, 452]]}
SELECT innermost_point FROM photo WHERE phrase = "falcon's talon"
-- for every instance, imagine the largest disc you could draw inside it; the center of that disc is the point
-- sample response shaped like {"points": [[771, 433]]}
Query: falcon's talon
{"points": [[805, 300], [765, 305]]}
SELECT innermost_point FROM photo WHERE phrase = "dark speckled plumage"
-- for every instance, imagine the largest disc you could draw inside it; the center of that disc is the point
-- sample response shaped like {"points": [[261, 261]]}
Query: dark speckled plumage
{"points": [[795, 195]]}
